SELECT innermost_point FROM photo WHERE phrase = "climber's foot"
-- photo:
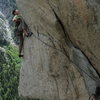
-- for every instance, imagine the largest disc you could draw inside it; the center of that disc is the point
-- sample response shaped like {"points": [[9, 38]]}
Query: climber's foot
{"points": [[20, 55], [29, 34]]}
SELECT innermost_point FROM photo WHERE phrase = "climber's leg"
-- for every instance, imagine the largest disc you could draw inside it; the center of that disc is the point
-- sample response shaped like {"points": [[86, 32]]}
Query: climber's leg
{"points": [[26, 30], [21, 39]]}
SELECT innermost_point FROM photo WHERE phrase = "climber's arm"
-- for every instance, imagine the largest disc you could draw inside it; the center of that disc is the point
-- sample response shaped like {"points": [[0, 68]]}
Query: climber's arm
{"points": [[14, 20]]}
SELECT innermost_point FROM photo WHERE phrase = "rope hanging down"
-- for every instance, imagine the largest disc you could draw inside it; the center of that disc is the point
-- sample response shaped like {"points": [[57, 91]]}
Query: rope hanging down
{"points": [[62, 51]]}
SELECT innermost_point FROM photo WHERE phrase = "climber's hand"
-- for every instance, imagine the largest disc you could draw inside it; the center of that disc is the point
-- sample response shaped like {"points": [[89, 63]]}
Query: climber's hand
{"points": [[25, 32], [14, 20]]}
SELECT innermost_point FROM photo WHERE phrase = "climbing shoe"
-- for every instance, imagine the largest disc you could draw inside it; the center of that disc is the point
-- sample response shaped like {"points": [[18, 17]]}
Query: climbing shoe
{"points": [[20, 55], [29, 34]]}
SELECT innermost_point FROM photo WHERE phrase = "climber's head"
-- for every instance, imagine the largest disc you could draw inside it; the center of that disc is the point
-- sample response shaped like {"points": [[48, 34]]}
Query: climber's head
{"points": [[15, 12]]}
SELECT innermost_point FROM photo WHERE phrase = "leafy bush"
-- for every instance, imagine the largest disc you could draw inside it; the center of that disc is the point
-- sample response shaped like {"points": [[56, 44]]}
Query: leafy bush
{"points": [[9, 75]]}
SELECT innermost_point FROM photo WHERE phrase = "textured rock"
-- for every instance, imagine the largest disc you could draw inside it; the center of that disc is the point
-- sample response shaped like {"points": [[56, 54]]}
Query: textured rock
{"points": [[61, 58]]}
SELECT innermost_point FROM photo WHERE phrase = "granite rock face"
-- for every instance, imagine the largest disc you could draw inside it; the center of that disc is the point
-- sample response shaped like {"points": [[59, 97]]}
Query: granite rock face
{"points": [[61, 59]]}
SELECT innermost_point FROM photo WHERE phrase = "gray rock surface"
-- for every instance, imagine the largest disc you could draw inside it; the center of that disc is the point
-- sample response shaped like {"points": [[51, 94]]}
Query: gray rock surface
{"points": [[61, 59]]}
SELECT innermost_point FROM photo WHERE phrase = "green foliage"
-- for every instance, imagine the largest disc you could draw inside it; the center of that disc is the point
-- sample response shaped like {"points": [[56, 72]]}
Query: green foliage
{"points": [[9, 75]]}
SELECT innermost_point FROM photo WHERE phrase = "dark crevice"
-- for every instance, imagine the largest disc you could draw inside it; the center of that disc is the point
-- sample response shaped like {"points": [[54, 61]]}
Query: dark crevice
{"points": [[67, 39], [80, 69], [90, 63], [70, 43]]}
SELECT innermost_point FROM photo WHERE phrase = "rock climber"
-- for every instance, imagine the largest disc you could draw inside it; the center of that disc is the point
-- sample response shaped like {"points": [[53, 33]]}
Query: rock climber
{"points": [[21, 29], [96, 96]]}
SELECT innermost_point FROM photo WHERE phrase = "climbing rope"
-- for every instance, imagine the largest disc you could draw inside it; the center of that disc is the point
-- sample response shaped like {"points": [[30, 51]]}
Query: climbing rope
{"points": [[47, 44], [62, 51]]}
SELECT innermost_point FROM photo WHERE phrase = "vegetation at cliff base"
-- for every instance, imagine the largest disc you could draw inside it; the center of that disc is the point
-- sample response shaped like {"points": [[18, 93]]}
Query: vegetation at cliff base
{"points": [[9, 74]]}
